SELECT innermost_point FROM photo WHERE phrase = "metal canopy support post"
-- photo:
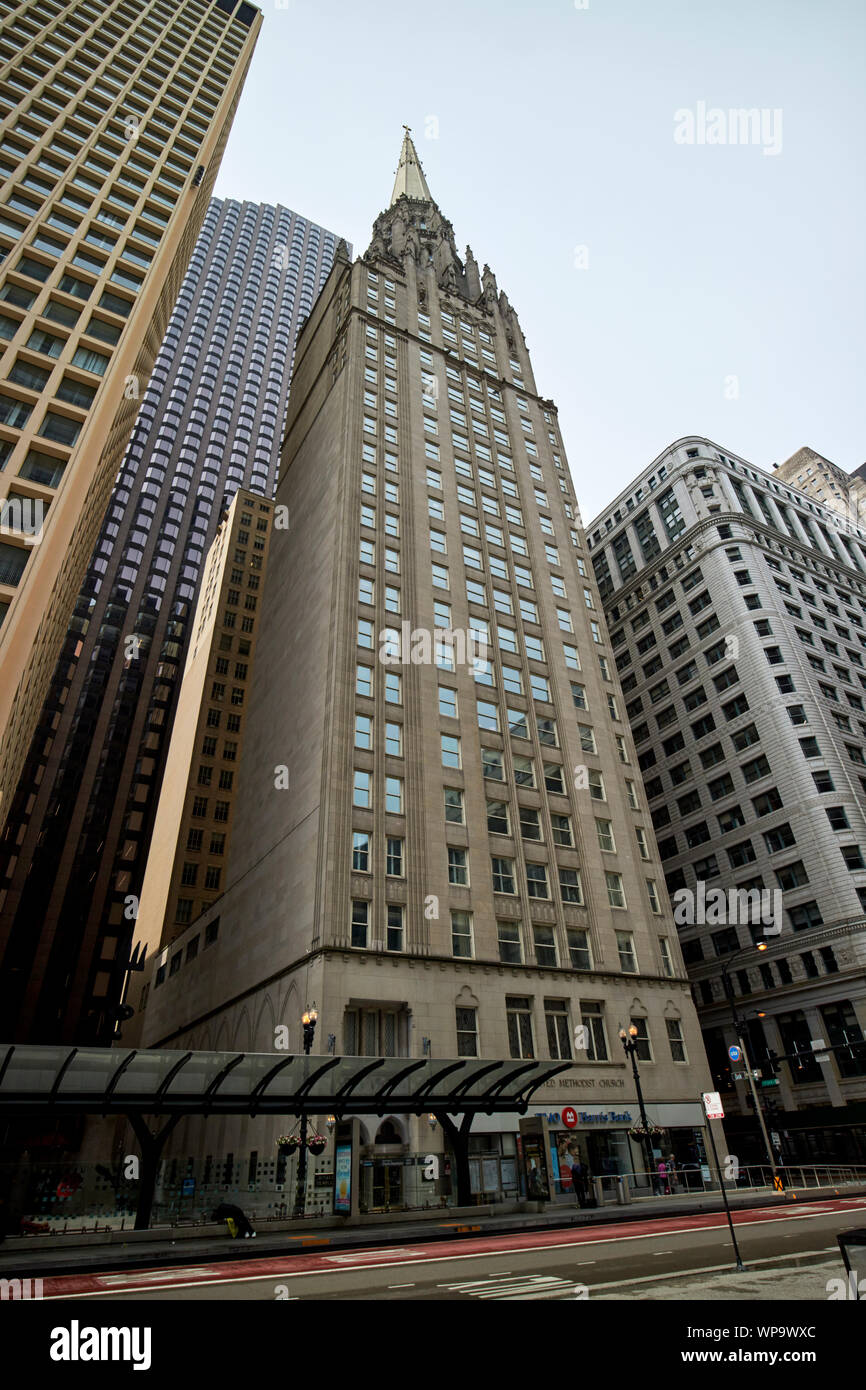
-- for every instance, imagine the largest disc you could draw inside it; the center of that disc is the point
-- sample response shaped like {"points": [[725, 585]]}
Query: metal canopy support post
{"points": [[151, 1147], [459, 1139]]}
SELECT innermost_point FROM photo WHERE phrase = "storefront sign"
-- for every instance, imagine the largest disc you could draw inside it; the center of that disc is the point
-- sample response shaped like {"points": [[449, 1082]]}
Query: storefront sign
{"points": [[581, 1083], [584, 1117]]}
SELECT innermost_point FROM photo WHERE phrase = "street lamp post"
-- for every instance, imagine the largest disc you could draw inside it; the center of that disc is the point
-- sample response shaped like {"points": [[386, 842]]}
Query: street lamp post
{"points": [[629, 1042], [739, 1029], [309, 1022]]}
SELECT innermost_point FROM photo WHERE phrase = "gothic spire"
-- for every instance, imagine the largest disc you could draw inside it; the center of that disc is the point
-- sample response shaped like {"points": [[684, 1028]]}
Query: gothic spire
{"points": [[410, 176]]}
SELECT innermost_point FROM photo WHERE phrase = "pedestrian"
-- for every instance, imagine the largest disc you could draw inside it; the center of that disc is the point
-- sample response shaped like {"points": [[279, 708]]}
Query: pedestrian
{"points": [[580, 1180], [536, 1186], [663, 1179], [672, 1173], [227, 1211]]}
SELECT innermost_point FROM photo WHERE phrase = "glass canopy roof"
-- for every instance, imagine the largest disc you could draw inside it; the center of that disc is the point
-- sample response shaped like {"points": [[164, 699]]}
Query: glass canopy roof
{"points": [[103, 1080]]}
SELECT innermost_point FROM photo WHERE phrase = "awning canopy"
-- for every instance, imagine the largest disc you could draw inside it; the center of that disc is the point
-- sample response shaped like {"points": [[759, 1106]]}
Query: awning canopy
{"points": [[104, 1081]]}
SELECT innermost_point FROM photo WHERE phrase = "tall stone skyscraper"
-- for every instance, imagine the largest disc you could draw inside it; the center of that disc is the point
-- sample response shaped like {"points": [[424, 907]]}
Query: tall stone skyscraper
{"points": [[448, 852], [113, 120], [210, 422], [737, 611]]}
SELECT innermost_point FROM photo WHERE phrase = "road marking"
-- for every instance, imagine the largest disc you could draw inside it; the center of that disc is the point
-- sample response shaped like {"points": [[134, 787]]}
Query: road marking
{"points": [[406, 1250], [148, 1276], [429, 1257], [530, 1286], [401, 1286]]}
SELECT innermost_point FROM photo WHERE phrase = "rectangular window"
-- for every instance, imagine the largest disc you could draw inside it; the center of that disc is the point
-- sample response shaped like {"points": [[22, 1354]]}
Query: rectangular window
{"points": [[503, 875], [536, 881], [461, 933], [508, 934], [360, 851], [467, 1032], [394, 934], [627, 957], [519, 1021], [360, 922], [458, 866]]}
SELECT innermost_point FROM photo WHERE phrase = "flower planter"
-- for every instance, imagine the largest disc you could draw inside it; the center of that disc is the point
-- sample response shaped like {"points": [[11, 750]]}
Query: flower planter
{"points": [[316, 1146]]}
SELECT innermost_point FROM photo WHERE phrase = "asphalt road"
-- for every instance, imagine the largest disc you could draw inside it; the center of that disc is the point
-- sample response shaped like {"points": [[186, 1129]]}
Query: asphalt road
{"points": [[544, 1265]]}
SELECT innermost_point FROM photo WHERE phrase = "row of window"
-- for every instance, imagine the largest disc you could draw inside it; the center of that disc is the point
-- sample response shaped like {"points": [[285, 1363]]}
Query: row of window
{"points": [[509, 935]]}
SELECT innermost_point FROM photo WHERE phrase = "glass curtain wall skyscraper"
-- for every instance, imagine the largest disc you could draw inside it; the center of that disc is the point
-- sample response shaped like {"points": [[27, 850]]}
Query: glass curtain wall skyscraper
{"points": [[113, 120], [210, 421]]}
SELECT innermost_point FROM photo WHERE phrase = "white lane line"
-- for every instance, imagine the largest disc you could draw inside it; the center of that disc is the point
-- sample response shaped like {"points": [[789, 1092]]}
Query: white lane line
{"points": [[473, 1255], [401, 1286]]}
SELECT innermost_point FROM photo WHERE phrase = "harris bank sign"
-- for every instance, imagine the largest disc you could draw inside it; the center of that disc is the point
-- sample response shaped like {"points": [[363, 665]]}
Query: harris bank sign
{"points": [[571, 1118]]}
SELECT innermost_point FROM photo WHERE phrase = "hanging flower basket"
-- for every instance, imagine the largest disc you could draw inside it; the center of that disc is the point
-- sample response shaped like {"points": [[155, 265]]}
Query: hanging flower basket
{"points": [[317, 1143], [287, 1143], [650, 1132]]}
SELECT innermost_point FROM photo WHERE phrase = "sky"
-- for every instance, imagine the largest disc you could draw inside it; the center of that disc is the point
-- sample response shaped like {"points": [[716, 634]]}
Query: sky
{"points": [[670, 277]]}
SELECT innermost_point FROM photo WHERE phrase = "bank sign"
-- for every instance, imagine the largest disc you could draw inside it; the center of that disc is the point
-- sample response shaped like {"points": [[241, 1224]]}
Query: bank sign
{"points": [[571, 1118]]}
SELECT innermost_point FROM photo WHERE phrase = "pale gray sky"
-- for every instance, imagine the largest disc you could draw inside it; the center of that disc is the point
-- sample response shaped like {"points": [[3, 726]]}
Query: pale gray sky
{"points": [[555, 131]]}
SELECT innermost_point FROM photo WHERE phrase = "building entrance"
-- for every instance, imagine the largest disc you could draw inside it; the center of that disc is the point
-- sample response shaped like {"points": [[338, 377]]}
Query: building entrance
{"points": [[382, 1187]]}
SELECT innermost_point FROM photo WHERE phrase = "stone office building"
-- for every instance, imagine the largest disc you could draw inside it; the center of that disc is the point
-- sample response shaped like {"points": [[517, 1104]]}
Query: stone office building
{"points": [[737, 614], [462, 864]]}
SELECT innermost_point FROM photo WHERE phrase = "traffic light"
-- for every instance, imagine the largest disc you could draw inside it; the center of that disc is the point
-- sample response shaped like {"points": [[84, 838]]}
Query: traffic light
{"points": [[773, 1059]]}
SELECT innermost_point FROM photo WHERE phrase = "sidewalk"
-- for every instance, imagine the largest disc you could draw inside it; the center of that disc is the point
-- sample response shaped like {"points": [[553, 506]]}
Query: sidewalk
{"points": [[807, 1283], [168, 1246]]}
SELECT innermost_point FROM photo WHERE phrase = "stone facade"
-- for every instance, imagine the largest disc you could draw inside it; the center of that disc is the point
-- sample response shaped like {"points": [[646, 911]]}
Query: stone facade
{"points": [[462, 864], [736, 607]]}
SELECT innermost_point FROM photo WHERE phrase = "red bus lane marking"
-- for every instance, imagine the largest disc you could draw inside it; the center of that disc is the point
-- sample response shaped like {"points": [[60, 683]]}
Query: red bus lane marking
{"points": [[297, 1266]]}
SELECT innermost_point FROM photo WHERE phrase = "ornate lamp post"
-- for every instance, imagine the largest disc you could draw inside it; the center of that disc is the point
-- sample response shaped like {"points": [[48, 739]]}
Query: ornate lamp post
{"points": [[309, 1022], [629, 1042]]}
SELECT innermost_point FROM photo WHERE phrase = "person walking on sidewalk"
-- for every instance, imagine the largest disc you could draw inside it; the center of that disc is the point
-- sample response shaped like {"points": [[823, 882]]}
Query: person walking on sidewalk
{"points": [[580, 1181]]}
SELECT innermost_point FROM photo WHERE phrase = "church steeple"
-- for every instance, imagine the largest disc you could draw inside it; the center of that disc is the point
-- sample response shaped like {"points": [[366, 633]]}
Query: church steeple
{"points": [[413, 231], [410, 176]]}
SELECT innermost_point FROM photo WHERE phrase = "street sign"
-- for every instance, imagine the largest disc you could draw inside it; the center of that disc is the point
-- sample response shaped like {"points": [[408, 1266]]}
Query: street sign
{"points": [[770, 1081], [777, 1143], [734, 1053], [822, 1056], [713, 1105]]}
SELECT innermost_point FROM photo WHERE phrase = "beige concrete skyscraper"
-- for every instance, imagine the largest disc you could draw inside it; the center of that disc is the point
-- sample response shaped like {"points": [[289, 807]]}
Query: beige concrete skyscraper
{"points": [[824, 481], [442, 844], [193, 824], [115, 116]]}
